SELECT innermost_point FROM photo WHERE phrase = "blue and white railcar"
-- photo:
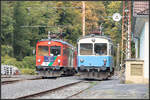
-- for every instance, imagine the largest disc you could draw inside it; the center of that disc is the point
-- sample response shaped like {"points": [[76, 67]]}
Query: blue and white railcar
{"points": [[95, 56]]}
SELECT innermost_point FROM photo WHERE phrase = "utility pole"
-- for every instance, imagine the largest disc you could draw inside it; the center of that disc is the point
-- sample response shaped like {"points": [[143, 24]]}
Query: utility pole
{"points": [[126, 32], [129, 31], [49, 37], [83, 18], [118, 58], [122, 41]]}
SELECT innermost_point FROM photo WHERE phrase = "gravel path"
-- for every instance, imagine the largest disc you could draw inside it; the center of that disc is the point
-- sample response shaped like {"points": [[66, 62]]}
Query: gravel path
{"points": [[112, 89], [66, 92], [22, 88], [106, 89]]}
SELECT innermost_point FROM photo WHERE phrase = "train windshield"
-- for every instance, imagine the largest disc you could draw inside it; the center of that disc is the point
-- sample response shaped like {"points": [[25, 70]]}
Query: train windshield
{"points": [[86, 48], [100, 48], [55, 50], [42, 50]]}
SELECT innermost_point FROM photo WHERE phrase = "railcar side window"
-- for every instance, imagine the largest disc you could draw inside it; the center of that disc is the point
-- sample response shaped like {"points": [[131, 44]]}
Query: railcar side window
{"points": [[100, 48], [55, 50], [43, 51], [86, 49]]}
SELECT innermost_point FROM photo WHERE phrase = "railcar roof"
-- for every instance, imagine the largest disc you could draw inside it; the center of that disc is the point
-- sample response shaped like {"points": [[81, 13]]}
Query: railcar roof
{"points": [[95, 36], [57, 40]]}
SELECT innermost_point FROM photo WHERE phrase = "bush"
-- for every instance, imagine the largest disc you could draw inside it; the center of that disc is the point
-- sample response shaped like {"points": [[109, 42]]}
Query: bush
{"points": [[6, 50], [29, 62], [26, 66], [7, 60], [28, 71]]}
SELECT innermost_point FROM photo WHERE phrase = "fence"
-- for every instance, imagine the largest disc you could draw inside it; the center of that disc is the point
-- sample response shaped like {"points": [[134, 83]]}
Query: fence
{"points": [[9, 70]]}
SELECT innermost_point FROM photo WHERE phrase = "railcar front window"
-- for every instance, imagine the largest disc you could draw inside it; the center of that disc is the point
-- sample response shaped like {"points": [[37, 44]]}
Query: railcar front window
{"points": [[86, 49], [43, 51], [55, 50], [100, 48]]}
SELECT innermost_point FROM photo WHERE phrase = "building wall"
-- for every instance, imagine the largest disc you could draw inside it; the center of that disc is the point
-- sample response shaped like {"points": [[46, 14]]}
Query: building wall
{"points": [[136, 47], [141, 30], [146, 50], [142, 46], [142, 43], [134, 71]]}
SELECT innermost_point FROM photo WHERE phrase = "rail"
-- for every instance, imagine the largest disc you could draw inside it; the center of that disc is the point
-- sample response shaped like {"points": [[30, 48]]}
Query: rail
{"points": [[47, 91]]}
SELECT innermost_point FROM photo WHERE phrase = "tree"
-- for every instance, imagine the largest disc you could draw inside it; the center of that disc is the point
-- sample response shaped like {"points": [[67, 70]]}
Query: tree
{"points": [[21, 44], [113, 28], [71, 18], [95, 12], [15, 15], [7, 24]]}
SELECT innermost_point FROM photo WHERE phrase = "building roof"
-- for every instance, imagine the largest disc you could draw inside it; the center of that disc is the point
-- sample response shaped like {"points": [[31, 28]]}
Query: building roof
{"points": [[140, 8], [140, 14]]}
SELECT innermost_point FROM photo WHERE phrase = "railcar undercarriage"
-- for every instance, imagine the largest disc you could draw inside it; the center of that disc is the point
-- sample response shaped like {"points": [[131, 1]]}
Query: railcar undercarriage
{"points": [[95, 73], [55, 71]]}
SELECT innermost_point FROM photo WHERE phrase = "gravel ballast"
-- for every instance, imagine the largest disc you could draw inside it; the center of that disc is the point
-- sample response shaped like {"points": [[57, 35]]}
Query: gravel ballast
{"points": [[64, 93], [23, 88]]}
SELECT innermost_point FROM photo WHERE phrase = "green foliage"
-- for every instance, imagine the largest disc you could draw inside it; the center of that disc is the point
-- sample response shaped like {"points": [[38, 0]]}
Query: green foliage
{"points": [[21, 44], [113, 28], [11, 61], [21, 40], [6, 50], [28, 71], [29, 62], [113, 7], [6, 24], [95, 13]]}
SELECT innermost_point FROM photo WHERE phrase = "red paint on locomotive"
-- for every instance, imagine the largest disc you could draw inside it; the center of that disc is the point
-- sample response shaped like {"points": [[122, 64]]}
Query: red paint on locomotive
{"points": [[61, 60]]}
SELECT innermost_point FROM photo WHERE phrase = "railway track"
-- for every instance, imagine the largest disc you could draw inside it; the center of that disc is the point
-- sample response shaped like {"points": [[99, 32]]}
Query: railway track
{"points": [[18, 80], [77, 93], [14, 79], [48, 91]]}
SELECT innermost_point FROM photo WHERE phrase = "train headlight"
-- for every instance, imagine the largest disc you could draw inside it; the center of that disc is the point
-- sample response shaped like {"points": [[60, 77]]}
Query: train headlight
{"points": [[58, 60], [39, 60], [51, 54], [93, 39], [49, 42], [81, 60], [104, 60]]}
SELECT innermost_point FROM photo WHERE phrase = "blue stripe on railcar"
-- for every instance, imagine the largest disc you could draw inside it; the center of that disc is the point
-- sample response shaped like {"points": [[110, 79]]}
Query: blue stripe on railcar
{"points": [[97, 61]]}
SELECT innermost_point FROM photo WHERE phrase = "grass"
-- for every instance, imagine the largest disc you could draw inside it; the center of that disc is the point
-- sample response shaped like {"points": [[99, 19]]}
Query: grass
{"points": [[28, 71], [93, 83]]}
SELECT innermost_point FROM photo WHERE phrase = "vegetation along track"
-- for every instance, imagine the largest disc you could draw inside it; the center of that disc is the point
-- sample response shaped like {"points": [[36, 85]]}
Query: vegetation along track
{"points": [[51, 91], [18, 80]]}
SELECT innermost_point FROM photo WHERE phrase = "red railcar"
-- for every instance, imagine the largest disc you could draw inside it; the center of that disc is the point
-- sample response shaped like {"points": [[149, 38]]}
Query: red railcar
{"points": [[55, 57]]}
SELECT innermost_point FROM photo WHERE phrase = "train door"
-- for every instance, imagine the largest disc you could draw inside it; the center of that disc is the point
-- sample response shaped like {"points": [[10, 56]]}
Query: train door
{"points": [[70, 57]]}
